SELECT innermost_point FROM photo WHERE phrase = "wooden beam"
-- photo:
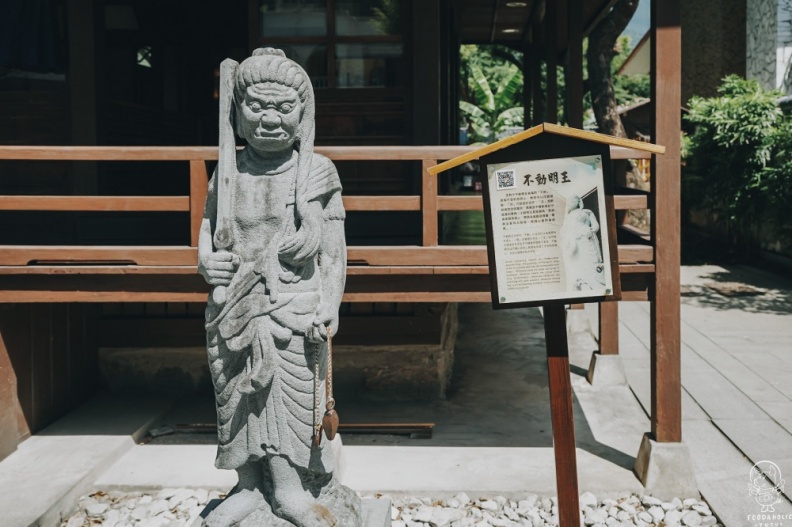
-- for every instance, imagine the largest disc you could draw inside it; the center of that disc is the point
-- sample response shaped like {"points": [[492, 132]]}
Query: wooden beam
{"points": [[460, 203], [209, 153], [379, 203], [666, 56], [145, 255], [413, 255], [631, 202], [396, 255], [96, 203]]}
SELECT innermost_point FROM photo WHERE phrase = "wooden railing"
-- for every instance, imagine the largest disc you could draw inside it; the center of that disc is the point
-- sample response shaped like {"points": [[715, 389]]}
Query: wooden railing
{"points": [[369, 263]]}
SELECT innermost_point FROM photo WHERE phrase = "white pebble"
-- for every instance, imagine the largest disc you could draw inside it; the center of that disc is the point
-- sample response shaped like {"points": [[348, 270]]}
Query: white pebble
{"points": [[423, 514], [657, 513], [588, 499], [462, 498], [691, 519], [650, 500], [673, 518], [96, 510], [76, 521], [703, 509]]}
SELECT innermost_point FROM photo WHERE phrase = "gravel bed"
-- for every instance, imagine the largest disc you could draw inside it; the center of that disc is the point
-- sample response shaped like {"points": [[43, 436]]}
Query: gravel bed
{"points": [[179, 507]]}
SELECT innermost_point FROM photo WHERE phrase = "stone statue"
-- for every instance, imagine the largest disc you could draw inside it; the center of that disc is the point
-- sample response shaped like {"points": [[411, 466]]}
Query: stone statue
{"points": [[272, 247], [580, 246]]}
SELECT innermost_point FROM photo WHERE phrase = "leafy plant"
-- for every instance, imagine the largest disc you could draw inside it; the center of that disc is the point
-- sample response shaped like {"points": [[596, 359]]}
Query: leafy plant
{"points": [[494, 110], [739, 158]]}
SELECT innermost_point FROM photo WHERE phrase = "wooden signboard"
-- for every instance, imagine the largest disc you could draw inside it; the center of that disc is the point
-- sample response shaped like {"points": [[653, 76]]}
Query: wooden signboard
{"points": [[548, 230], [551, 241]]}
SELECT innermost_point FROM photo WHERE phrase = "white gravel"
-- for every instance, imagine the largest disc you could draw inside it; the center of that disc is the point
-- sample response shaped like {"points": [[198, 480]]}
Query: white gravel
{"points": [[179, 507]]}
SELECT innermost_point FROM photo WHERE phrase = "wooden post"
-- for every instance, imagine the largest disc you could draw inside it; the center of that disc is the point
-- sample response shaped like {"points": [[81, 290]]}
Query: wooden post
{"points": [[199, 182], [551, 59], [537, 113], [562, 415], [574, 66], [666, 96], [608, 328], [429, 203]]}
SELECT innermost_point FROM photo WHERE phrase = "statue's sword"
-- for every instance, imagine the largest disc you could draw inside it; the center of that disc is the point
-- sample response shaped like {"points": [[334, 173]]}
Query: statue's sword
{"points": [[226, 167]]}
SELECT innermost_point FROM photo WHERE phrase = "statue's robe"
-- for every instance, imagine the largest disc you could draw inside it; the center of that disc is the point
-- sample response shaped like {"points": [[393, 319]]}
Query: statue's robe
{"points": [[583, 263], [262, 365]]}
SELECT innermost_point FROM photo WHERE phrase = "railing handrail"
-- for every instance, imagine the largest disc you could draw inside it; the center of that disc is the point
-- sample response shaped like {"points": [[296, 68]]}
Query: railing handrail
{"points": [[209, 153], [429, 203]]}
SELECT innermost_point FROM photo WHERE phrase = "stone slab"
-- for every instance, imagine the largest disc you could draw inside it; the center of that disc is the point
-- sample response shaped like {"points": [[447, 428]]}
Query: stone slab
{"points": [[722, 475], [42, 481]]}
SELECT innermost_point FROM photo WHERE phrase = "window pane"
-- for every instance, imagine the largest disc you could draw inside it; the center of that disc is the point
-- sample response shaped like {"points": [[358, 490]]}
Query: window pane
{"points": [[368, 65], [293, 18], [368, 17], [313, 58]]}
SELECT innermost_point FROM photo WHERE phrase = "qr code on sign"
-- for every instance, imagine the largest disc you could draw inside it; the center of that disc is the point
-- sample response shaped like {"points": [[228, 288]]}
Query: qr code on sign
{"points": [[505, 179]]}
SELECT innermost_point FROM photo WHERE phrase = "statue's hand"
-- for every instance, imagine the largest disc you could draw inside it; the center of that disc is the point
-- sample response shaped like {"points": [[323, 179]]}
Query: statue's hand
{"points": [[218, 268], [318, 330]]}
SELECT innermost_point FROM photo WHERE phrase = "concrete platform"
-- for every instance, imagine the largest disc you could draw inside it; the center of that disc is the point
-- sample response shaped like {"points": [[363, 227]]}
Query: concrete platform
{"points": [[492, 434], [42, 480]]}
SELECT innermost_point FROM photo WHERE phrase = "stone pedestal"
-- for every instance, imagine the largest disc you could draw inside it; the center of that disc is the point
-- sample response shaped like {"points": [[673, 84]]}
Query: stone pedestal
{"points": [[606, 370], [666, 469]]}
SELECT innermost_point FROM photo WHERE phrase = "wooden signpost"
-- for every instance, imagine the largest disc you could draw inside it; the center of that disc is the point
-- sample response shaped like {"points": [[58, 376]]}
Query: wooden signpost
{"points": [[551, 241]]}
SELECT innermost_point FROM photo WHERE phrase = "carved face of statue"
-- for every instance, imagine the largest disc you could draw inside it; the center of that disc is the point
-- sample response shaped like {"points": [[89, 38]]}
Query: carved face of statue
{"points": [[269, 117]]}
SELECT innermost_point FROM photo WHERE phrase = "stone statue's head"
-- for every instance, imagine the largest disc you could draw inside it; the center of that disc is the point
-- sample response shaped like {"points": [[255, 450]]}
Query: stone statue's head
{"points": [[275, 111], [574, 202], [274, 102]]}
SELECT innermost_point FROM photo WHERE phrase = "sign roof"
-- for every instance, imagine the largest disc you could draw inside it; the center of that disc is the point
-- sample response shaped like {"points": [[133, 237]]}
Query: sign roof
{"points": [[550, 129]]}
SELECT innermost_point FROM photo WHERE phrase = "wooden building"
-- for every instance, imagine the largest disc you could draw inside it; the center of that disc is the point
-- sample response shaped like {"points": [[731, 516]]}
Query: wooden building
{"points": [[119, 73]]}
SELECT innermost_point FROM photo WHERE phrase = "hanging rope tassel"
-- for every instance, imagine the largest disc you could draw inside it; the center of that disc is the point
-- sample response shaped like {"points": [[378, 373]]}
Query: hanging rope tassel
{"points": [[330, 419], [328, 423]]}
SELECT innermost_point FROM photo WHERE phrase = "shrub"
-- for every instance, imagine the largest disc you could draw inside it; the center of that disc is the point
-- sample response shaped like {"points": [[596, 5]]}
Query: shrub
{"points": [[738, 161]]}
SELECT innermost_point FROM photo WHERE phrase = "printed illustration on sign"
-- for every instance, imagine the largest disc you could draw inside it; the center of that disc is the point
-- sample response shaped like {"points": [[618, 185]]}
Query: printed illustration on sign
{"points": [[548, 233]]}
